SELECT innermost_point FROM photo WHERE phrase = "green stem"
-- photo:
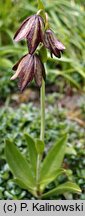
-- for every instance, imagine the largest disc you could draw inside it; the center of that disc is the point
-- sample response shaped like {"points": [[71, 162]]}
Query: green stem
{"points": [[42, 110], [39, 157]]}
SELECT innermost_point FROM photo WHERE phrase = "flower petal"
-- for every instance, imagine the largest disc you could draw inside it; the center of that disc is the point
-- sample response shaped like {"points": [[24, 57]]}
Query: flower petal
{"points": [[46, 41], [39, 71], [53, 44], [24, 28], [32, 38], [20, 65], [36, 34], [56, 52], [27, 73], [55, 41], [17, 63], [41, 29]]}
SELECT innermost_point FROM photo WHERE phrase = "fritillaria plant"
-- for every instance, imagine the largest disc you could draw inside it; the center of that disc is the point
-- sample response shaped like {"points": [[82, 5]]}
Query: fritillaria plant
{"points": [[35, 174]]}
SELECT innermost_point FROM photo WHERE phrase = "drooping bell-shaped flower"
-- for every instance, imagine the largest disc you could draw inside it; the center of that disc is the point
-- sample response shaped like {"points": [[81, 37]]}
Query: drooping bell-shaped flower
{"points": [[27, 68], [52, 43], [32, 29]]}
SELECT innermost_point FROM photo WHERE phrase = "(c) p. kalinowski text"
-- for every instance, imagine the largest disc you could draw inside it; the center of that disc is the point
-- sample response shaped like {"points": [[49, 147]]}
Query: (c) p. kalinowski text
{"points": [[48, 207]]}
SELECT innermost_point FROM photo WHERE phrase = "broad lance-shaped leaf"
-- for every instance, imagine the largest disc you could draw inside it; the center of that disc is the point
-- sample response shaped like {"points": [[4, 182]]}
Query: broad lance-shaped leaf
{"points": [[32, 153], [24, 186], [54, 158], [20, 183], [19, 165], [66, 187], [51, 178]]}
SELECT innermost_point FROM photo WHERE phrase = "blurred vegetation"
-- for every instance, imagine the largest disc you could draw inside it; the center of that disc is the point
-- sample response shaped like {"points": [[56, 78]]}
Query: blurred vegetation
{"points": [[67, 19]]}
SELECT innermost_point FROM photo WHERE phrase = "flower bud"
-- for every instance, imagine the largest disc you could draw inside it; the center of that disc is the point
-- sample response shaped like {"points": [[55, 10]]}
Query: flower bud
{"points": [[53, 44], [27, 68], [33, 30]]}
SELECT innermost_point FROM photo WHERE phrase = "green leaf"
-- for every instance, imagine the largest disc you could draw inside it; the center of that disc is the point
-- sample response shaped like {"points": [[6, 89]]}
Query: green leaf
{"points": [[40, 5], [18, 165], [54, 158], [51, 178], [20, 183], [39, 146], [32, 153], [24, 186], [66, 187]]}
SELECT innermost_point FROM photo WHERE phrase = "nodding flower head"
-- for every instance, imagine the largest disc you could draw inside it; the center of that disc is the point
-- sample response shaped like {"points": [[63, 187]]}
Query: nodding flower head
{"points": [[53, 44], [32, 29], [27, 68]]}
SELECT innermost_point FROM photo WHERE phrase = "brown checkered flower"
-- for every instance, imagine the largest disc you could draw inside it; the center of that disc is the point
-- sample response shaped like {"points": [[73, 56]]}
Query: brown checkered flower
{"points": [[32, 29], [27, 68], [53, 44]]}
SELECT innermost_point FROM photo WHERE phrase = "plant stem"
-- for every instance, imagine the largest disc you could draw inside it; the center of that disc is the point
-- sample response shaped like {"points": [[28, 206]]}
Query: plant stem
{"points": [[42, 110], [39, 157]]}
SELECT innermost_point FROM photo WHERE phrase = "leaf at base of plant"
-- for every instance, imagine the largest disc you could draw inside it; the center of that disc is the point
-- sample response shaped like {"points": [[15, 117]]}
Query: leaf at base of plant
{"points": [[66, 187], [19, 165], [32, 153], [53, 160]]}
